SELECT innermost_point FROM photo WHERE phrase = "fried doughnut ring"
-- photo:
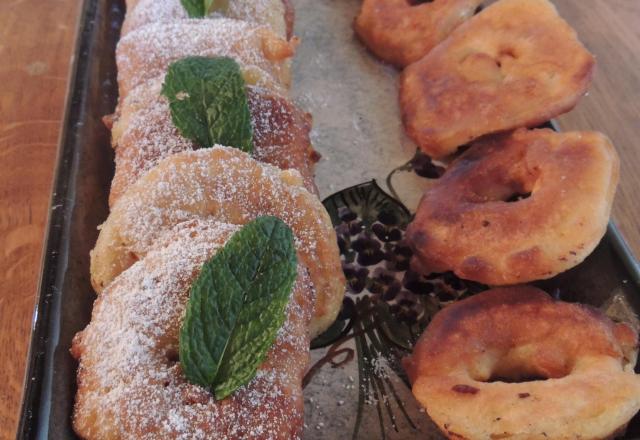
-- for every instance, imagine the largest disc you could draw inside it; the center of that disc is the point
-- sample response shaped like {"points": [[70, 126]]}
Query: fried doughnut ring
{"points": [[515, 64], [401, 32], [146, 52], [466, 222], [227, 185], [273, 13], [462, 366], [130, 384], [143, 134]]}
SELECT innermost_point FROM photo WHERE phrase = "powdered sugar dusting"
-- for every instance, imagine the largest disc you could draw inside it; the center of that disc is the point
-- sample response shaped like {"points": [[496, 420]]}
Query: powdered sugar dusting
{"points": [[146, 134], [224, 184], [264, 12], [130, 381], [146, 52]]}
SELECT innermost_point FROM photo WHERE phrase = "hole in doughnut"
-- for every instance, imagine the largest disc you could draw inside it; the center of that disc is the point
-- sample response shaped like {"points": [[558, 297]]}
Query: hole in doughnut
{"points": [[523, 363], [516, 378], [516, 197]]}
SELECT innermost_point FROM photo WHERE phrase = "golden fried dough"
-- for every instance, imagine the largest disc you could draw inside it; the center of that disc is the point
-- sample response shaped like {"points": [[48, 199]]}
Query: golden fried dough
{"points": [[143, 134], [271, 13], [130, 383], [469, 223], [226, 185], [146, 52], [513, 363], [515, 64], [401, 31]]}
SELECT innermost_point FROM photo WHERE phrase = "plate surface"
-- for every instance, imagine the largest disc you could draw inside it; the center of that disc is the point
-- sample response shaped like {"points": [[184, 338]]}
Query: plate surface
{"points": [[357, 129]]}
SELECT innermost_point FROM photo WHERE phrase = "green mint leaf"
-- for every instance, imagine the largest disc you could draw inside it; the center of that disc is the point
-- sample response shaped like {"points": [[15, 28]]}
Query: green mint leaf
{"points": [[202, 8], [237, 305], [208, 102], [195, 8]]}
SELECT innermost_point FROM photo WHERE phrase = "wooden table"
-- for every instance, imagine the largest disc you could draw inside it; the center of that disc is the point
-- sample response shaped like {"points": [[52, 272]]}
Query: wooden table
{"points": [[36, 44]]}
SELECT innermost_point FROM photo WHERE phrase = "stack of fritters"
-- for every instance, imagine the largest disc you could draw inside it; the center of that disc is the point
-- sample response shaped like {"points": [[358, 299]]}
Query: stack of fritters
{"points": [[173, 208]]}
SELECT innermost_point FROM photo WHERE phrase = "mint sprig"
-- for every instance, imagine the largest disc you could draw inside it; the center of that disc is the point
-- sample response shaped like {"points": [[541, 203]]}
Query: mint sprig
{"points": [[237, 305], [208, 102], [197, 8], [202, 8]]}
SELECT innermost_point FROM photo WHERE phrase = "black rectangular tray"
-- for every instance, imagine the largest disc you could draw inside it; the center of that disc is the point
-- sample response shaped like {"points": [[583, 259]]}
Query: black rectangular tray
{"points": [[79, 203]]}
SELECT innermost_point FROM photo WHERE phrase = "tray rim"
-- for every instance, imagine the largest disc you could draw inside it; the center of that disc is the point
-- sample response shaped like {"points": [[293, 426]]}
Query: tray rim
{"points": [[54, 255], [53, 262]]}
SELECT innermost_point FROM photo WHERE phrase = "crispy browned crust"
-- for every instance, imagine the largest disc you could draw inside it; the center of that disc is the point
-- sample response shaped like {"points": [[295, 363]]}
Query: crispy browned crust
{"points": [[519, 332], [401, 33], [466, 224], [281, 135], [144, 134], [289, 17], [515, 64], [130, 383]]}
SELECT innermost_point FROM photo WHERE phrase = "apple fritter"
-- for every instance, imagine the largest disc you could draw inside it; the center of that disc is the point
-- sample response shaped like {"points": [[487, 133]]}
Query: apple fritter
{"points": [[401, 31], [272, 13], [146, 52], [518, 207], [227, 185], [143, 134], [515, 64], [130, 381]]}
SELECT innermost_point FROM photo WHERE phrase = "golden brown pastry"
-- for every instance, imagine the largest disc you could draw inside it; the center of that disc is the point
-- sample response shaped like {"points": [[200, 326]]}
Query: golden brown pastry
{"points": [[226, 185], [515, 64], [130, 382], [146, 52], [403, 31], [471, 223], [512, 363], [272, 13], [143, 134]]}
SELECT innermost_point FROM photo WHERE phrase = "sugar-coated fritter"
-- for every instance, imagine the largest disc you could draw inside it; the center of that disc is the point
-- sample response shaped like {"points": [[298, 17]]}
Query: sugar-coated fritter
{"points": [[130, 382], [277, 14], [226, 185], [143, 133]]}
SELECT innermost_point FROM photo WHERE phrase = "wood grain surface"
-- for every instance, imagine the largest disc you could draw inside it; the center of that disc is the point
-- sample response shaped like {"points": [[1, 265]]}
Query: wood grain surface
{"points": [[36, 43], [611, 30]]}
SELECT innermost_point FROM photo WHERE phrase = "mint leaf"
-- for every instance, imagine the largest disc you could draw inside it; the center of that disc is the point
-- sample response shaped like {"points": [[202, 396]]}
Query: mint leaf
{"points": [[208, 102], [196, 8], [237, 305], [202, 8]]}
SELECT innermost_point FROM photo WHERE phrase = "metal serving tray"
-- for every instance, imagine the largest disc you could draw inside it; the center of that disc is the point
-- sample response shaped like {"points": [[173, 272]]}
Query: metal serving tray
{"points": [[356, 128]]}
